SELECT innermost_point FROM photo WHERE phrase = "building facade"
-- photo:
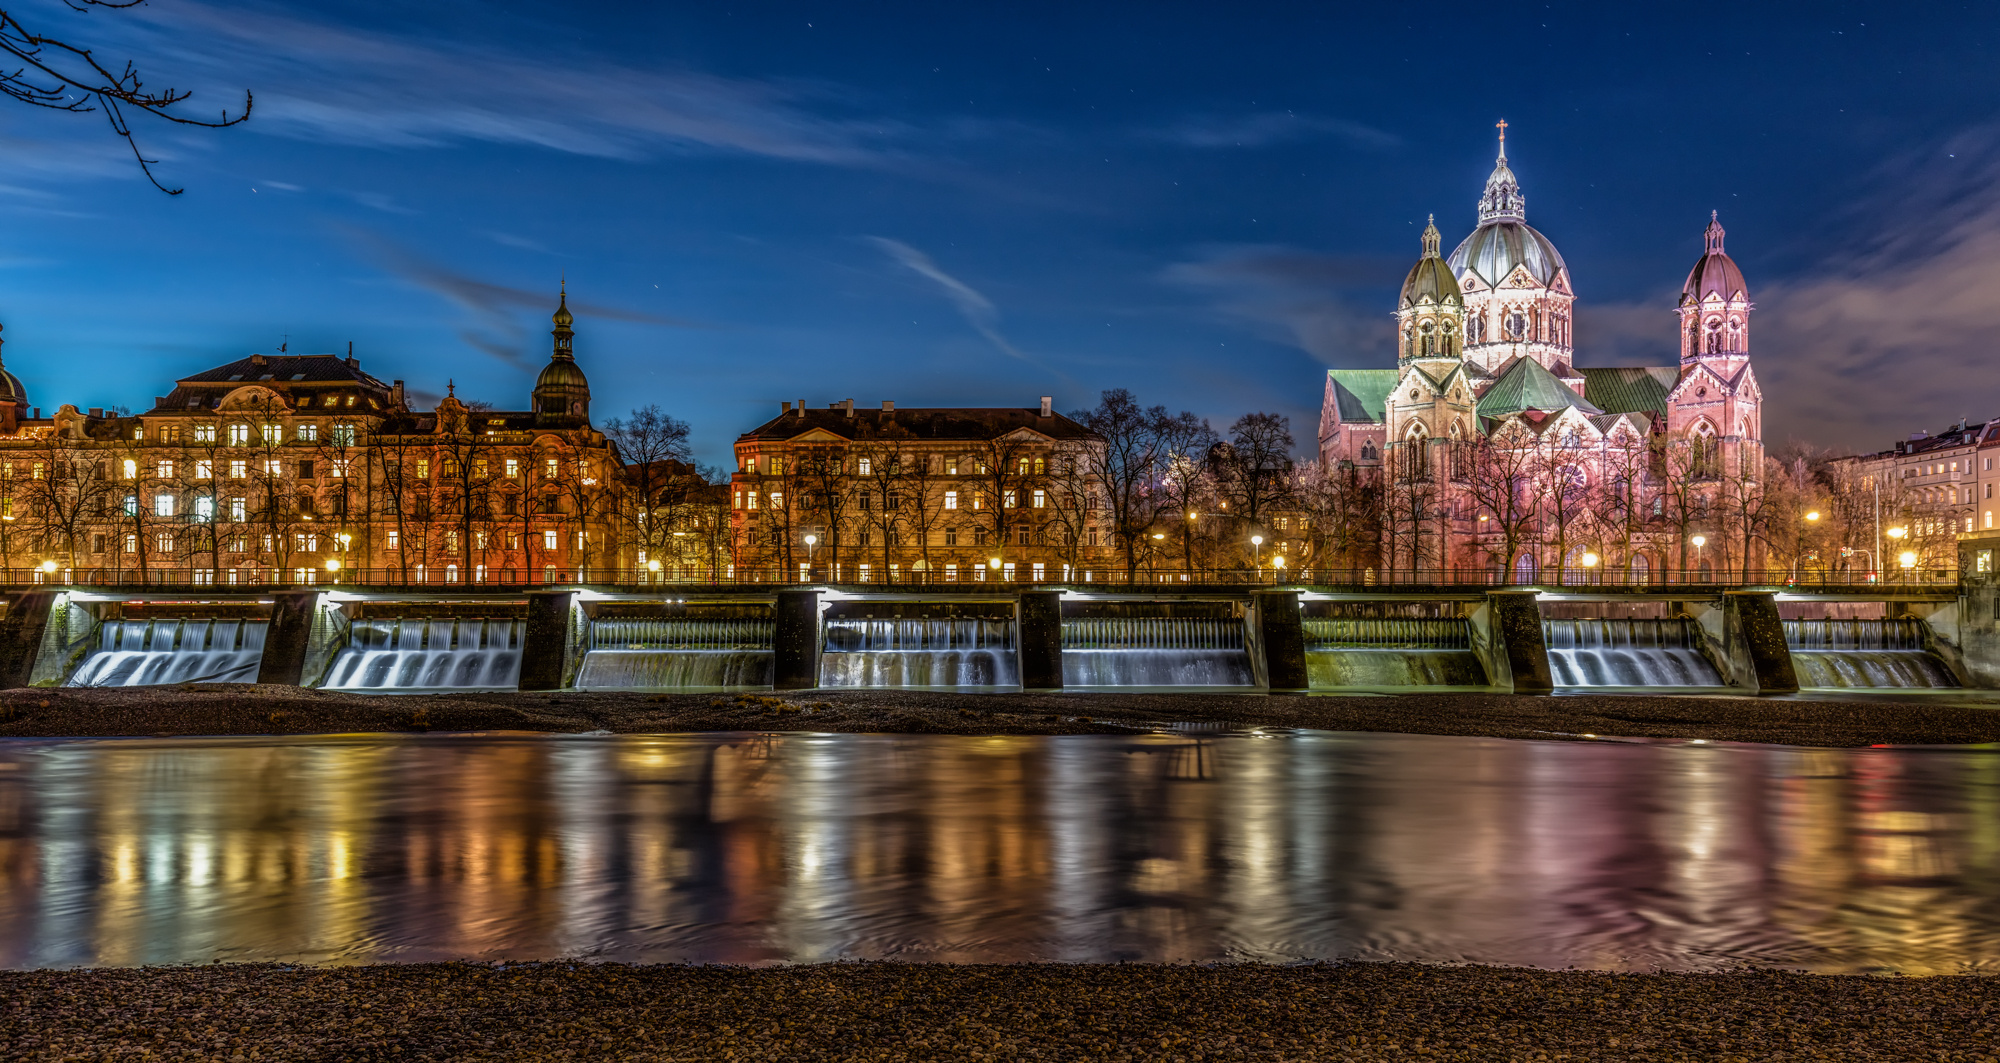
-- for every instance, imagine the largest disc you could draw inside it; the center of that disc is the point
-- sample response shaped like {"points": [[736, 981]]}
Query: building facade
{"points": [[939, 495], [288, 469], [1498, 453]]}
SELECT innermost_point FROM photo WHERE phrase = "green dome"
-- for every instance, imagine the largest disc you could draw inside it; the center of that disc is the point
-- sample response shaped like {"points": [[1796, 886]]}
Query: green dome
{"points": [[561, 373]]}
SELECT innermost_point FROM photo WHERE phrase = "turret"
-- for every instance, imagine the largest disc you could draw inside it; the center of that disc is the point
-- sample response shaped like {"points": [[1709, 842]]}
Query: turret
{"points": [[562, 394]]}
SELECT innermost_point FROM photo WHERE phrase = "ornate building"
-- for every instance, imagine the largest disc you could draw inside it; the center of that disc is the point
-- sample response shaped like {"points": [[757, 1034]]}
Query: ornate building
{"points": [[1498, 451], [287, 468], [920, 494]]}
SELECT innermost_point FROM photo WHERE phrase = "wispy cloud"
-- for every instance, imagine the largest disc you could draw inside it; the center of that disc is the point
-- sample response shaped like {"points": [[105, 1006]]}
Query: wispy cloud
{"points": [[1267, 128], [320, 80], [496, 323], [1325, 305], [977, 309]]}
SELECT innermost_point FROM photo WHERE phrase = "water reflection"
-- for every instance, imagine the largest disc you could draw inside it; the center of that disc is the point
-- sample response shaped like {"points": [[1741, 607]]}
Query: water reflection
{"points": [[762, 848]]}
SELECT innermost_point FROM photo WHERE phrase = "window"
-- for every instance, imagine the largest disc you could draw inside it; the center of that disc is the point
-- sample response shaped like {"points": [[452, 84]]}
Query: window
{"points": [[1007, 572], [204, 469], [306, 469], [864, 467], [271, 433], [551, 468], [138, 431], [451, 541], [307, 433], [951, 536], [513, 468], [1036, 572], [449, 469], [1024, 467], [1009, 500], [951, 573], [1021, 535], [1041, 499], [163, 505], [343, 435], [549, 541], [777, 465], [979, 536], [777, 500], [131, 469], [337, 469], [395, 539], [864, 501], [164, 542], [97, 543], [479, 468], [239, 435], [866, 575], [951, 500], [750, 464], [273, 467], [131, 543], [236, 509], [951, 467], [1983, 561], [204, 433], [239, 469]]}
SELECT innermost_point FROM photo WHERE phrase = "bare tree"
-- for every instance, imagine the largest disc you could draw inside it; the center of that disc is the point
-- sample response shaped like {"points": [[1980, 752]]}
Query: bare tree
{"points": [[1185, 480], [654, 450], [1500, 481], [1253, 467], [1126, 467], [66, 77]]}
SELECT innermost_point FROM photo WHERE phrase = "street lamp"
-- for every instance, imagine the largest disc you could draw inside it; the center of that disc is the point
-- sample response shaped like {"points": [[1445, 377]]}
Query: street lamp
{"points": [[1908, 559], [1699, 541], [993, 563], [333, 568], [1257, 552], [1897, 533]]}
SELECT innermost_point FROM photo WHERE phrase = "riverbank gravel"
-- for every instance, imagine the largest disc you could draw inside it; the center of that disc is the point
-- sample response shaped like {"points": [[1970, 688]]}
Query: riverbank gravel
{"points": [[1115, 1013], [220, 709]]}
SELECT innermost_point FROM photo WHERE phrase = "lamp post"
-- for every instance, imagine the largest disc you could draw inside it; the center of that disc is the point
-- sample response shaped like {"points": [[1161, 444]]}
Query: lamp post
{"points": [[653, 567], [994, 564], [1589, 565], [1699, 541], [1257, 553], [1798, 555], [811, 541], [333, 569], [1897, 534]]}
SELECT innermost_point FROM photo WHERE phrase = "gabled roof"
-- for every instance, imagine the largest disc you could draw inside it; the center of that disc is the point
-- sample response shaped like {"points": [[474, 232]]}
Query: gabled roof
{"points": [[1629, 389], [1362, 395], [284, 369], [1526, 385], [916, 424]]}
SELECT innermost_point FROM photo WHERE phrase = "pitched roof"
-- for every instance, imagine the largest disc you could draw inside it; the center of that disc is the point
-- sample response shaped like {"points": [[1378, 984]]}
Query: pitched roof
{"points": [[285, 368], [1526, 385], [917, 424], [1629, 389], [1362, 395]]}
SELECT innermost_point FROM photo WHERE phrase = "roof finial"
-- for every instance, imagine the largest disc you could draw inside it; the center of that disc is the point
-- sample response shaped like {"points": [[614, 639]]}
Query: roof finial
{"points": [[1431, 236], [1713, 235], [1501, 125], [450, 389]]}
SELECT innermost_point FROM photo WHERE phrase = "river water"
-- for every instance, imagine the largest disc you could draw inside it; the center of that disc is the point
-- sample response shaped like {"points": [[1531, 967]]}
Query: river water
{"points": [[1280, 846]]}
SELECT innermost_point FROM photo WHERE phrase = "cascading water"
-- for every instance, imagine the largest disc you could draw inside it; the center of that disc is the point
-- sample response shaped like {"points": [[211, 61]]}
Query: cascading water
{"points": [[919, 653], [1154, 652], [677, 654], [142, 653], [1627, 652], [1366, 652], [1864, 653], [429, 653]]}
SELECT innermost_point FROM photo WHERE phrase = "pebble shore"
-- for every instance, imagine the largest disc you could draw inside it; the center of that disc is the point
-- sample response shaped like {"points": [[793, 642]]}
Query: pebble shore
{"points": [[239, 710], [1115, 1013]]}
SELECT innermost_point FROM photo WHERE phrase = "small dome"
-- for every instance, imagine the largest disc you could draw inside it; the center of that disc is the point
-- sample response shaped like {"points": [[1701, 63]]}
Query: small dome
{"points": [[562, 316], [1496, 247], [11, 389], [1430, 278], [1714, 272], [561, 373]]}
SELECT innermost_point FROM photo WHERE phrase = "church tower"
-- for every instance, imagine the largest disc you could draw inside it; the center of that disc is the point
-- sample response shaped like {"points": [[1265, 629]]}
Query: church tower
{"points": [[1518, 300], [1430, 410], [1430, 316], [562, 394], [1716, 406], [1715, 308]]}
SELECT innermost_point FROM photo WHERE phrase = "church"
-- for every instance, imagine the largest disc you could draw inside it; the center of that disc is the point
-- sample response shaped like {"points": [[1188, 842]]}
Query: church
{"points": [[1497, 451]]}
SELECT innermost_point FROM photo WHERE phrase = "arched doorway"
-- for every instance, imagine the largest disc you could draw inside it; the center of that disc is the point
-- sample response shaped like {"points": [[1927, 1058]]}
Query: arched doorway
{"points": [[1526, 568], [1641, 570]]}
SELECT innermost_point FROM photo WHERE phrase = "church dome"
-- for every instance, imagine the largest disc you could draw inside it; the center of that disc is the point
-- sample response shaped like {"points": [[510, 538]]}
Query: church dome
{"points": [[1496, 247], [1504, 238], [561, 373], [1430, 279], [11, 389], [1715, 273]]}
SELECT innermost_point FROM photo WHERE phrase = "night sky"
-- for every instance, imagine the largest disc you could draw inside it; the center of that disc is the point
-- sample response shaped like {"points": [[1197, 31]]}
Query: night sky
{"points": [[1209, 204]]}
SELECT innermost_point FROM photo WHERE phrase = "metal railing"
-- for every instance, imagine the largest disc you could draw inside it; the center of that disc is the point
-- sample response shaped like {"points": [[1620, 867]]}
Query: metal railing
{"points": [[437, 579]]}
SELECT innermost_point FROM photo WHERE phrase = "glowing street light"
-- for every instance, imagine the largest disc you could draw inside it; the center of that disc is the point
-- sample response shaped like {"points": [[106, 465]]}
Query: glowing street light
{"points": [[811, 541], [333, 567], [1813, 515], [1699, 541], [1897, 533], [1278, 563], [49, 567], [1589, 559]]}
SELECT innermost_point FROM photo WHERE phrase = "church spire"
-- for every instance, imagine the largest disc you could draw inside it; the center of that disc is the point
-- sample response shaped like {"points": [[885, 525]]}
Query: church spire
{"points": [[562, 332], [1431, 237], [1713, 235], [1502, 198]]}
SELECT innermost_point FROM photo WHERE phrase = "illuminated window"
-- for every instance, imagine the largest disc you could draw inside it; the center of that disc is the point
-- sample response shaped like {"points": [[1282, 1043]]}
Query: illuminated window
{"points": [[549, 541], [204, 507], [479, 468], [138, 431], [551, 468], [131, 469], [343, 435], [777, 500], [1041, 499], [163, 505], [1036, 574], [273, 467], [395, 539], [951, 500], [951, 573], [239, 469], [864, 467], [753, 499], [164, 542], [204, 469], [307, 433], [423, 468], [37, 472], [1008, 501], [204, 433], [271, 433], [164, 471], [1040, 468], [239, 435], [236, 509], [131, 543], [513, 468]]}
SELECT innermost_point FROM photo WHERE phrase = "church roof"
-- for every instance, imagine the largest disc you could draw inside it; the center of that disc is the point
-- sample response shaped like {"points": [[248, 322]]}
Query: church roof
{"points": [[1362, 395], [1629, 389], [1527, 385], [1714, 273]]}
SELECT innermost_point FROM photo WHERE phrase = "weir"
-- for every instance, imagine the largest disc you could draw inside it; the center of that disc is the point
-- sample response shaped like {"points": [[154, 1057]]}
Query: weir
{"points": [[677, 653], [1846, 652], [428, 653], [159, 651], [920, 645], [1368, 645], [1628, 652], [1166, 644]]}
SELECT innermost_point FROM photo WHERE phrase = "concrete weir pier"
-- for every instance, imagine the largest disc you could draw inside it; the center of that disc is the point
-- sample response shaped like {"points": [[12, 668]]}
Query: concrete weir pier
{"points": [[999, 637]]}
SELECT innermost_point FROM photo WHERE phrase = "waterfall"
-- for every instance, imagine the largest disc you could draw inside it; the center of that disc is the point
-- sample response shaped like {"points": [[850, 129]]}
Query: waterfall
{"points": [[1364, 652], [142, 653], [429, 653], [677, 654], [957, 652], [1844, 652], [1154, 652], [1627, 652]]}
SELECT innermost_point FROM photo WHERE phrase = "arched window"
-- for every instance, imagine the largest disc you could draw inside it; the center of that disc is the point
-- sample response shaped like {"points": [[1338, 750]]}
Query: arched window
{"points": [[1705, 458], [1448, 338], [1416, 465], [1641, 569], [1475, 328], [1515, 325], [1714, 337], [1525, 568], [1367, 451], [1428, 338]]}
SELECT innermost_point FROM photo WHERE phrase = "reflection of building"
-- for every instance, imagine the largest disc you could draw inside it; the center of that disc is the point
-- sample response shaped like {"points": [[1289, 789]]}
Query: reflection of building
{"points": [[278, 468], [902, 495], [1492, 440]]}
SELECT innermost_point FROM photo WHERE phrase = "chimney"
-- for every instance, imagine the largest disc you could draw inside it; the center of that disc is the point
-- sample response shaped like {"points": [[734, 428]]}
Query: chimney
{"points": [[396, 393], [1047, 401], [847, 405], [784, 408], [888, 405], [802, 409], [352, 362], [97, 411]]}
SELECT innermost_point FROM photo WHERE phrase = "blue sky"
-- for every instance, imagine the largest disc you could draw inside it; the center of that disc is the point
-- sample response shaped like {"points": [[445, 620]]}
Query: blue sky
{"points": [[941, 205]]}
